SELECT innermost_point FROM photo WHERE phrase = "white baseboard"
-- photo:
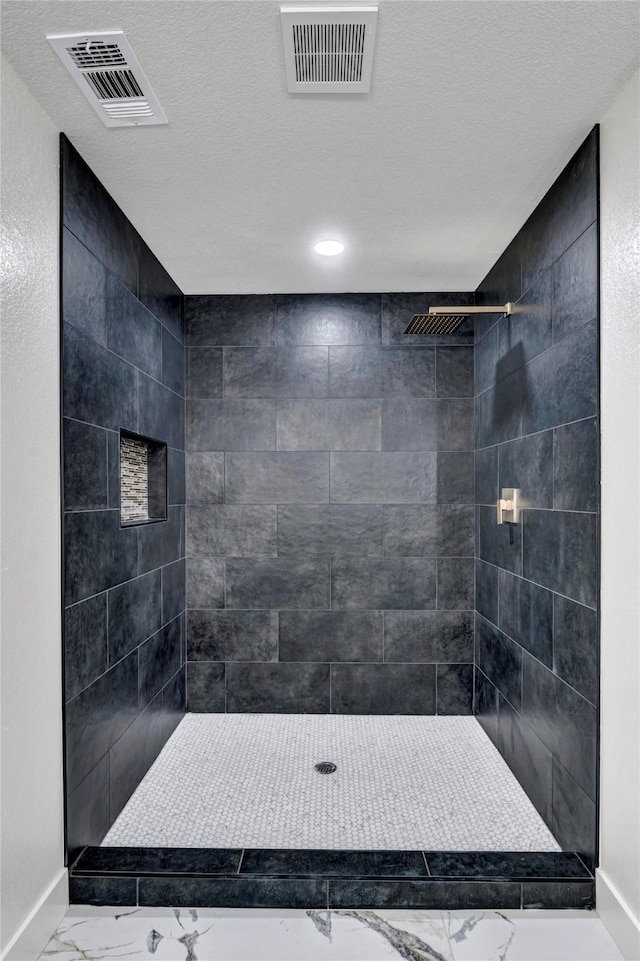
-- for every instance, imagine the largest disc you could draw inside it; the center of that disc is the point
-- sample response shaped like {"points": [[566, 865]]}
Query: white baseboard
{"points": [[30, 939], [617, 917]]}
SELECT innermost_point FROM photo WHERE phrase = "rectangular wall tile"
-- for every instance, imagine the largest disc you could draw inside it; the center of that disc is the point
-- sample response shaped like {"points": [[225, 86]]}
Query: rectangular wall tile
{"points": [[277, 688], [204, 372], [97, 553], [282, 477], [173, 590], [173, 363], [560, 552], [85, 467], [427, 425], [161, 543], [574, 816], [499, 411], [383, 689], [526, 615], [330, 529], [205, 582], [98, 387], [575, 466], [487, 591], [454, 372], [527, 463], [384, 477], [527, 331], [159, 292], [83, 289], [158, 660], [231, 425], [369, 584], [132, 331], [87, 810], [206, 687], [135, 613], [500, 659], [229, 893], [328, 425], [454, 689], [276, 373], [85, 643], [330, 636], [456, 579], [231, 530], [575, 646], [133, 754], [328, 319], [417, 531], [455, 482], [486, 704], [161, 413], [222, 321], [529, 759], [278, 582], [205, 477], [232, 636], [575, 284], [176, 486], [496, 545], [429, 636]]}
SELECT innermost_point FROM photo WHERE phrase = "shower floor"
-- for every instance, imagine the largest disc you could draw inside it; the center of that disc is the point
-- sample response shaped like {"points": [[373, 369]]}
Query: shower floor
{"points": [[248, 780]]}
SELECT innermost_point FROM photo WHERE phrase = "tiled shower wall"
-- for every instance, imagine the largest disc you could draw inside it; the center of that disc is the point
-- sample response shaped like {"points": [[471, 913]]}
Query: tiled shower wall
{"points": [[124, 588], [537, 429], [330, 534]]}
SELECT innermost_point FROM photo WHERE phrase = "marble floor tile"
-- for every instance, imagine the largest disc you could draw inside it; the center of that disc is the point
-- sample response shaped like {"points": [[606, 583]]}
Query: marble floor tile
{"points": [[171, 934], [402, 782]]}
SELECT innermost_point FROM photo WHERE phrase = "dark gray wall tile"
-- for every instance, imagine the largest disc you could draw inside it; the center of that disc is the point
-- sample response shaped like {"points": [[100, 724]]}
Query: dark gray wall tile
{"points": [[369, 584], [563, 720], [85, 466], [527, 463], [94, 217], [161, 413], [486, 360], [276, 373], [356, 372], [421, 531], [328, 425], [502, 284], [161, 543], [575, 284], [486, 704], [330, 636], [500, 659], [232, 636], [103, 891], [331, 319], [383, 689], [158, 660], [456, 583], [205, 687], [205, 582], [159, 292], [83, 289], [559, 894], [98, 387], [398, 309], [575, 646], [454, 372], [132, 331], [204, 372], [174, 701], [560, 552], [429, 636], [526, 615], [561, 385], [133, 754], [575, 466], [221, 321], [574, 816], [487, 591], [204, 477], [113, 468], [330, 529], [277, 688], [499, 411], [173, 363], [97, 717], [85, 643], [135, 613], [455, 477], [254, 892], [176, 476], [495, 542], [277, 582], [231, 530], [282, 477], [426, 895], [528, 758], [173, 590], [384, 477], [97, 553], [427, 425], [87, 810], [231, 425], [527, 331], [454, 689]]}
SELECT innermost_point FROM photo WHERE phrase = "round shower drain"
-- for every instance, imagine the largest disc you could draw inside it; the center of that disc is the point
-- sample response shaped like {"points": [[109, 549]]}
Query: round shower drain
{"points": [[325, 767]]}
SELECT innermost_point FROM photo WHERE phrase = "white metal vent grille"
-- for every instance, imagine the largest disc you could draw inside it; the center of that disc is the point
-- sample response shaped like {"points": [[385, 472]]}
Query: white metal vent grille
{"points": [[328, 49], [108, 73]]}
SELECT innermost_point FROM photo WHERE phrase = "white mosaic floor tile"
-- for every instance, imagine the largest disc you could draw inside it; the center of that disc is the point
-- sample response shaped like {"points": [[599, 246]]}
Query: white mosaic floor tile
{"points": [[248, 780]]}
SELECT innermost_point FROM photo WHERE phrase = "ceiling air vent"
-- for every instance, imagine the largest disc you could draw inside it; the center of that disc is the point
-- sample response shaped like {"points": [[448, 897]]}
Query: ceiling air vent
{"points": [[328, 49], [107, 71]]}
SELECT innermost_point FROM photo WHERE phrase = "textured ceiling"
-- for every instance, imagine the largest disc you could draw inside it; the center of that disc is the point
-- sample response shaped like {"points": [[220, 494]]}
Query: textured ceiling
{"points": [[475, 107]]}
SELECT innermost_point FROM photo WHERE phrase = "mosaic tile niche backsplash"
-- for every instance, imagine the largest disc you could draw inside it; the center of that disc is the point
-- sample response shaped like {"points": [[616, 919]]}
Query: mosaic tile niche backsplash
{"points": [[134, 479], [330, 533]]}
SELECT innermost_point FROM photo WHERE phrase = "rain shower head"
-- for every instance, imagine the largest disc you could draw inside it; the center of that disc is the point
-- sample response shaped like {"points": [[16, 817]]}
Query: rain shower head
{"points": [[444, 320]]}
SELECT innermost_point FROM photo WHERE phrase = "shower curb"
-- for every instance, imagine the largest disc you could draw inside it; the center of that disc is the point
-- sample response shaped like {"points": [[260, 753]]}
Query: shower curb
{"points": [[330, 879]]}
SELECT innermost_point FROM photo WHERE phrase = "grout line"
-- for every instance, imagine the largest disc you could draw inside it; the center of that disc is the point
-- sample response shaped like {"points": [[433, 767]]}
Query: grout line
{"points": [[242, 853], [426, 863]]}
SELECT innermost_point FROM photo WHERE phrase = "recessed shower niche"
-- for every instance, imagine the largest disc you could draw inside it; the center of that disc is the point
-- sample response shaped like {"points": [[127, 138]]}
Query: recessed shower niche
{"points": [[143, 480]]}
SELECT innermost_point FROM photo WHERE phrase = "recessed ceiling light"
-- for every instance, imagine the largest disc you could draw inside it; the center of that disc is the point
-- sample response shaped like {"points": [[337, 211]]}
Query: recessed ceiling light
{"points": [[329, 248]]}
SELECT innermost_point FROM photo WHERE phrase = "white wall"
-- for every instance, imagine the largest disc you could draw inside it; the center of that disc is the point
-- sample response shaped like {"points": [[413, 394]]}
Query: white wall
{"points": [[31, 842], [619, 876]]}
